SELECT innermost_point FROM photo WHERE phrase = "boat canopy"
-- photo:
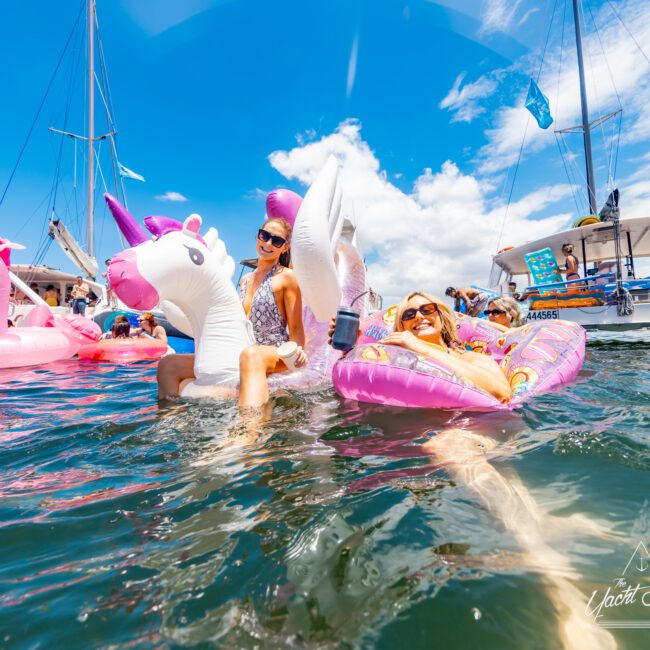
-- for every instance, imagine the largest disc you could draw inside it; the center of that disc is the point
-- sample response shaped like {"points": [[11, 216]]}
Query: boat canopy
{"points": [[598, 241]]}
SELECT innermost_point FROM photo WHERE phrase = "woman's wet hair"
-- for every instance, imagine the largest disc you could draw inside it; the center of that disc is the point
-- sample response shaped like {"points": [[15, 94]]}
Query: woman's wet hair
{"points": [[449, 334], [149, 317], [285, 258], [510, 306], [449, 291], [121, 330]]}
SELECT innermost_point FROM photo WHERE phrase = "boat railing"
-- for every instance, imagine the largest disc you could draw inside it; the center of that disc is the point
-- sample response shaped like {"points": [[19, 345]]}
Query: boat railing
{"points": [[585, 282]]}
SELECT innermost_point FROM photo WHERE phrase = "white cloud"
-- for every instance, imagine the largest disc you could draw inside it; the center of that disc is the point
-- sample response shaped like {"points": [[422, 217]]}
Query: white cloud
{"points": [[498, 15], [464, 102], [443, 232], [171, 196]]}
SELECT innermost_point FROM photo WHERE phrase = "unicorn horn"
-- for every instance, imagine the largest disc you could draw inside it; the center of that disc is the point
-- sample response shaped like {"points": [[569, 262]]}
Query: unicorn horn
{"points": [[133, 232]]}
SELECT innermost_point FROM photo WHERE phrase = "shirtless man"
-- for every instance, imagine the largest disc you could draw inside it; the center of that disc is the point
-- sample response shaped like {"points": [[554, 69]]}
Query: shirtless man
{"points": [[475, 300]]}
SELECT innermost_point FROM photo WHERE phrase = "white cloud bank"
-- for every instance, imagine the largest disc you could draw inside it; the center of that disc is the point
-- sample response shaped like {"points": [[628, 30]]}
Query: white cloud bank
{"points": [[443, 232], [171, 196]]}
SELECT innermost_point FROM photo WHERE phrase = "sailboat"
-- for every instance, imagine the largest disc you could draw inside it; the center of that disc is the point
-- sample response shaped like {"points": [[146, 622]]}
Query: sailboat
{"points": [[609, 296], [31, 280]]}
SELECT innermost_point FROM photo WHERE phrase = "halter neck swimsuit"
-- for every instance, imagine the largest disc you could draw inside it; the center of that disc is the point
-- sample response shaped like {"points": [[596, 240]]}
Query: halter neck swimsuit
{"points": [[268, 325]]}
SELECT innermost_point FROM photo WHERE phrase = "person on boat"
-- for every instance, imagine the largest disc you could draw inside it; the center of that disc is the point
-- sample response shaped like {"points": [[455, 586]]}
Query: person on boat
{"points": [[571, 264], [504, 313], [51, 296], [150, 328], [474, 299], [512, 288], [120, 330], [34, 287], [426, 326], [79, 295], [273, 303]]}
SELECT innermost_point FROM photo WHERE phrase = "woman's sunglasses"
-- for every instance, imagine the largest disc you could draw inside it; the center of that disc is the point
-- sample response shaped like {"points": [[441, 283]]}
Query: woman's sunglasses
{"points": [[426, 310], [493, 312], [266, 236]]}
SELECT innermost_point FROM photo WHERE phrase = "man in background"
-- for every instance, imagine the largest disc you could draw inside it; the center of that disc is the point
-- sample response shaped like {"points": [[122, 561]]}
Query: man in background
{"points": [[79, 295]]}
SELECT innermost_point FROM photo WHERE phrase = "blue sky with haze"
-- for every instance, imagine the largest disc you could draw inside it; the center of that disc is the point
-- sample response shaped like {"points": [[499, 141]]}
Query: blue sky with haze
{"points": [[223, 101]]}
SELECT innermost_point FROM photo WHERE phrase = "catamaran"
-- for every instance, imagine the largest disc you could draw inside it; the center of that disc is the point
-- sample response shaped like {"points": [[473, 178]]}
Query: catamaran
{"points": [[610, 295], [31, 280]]}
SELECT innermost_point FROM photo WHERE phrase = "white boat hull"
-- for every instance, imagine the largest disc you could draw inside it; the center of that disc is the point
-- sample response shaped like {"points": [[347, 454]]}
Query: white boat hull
{"points": [[602, 317]]}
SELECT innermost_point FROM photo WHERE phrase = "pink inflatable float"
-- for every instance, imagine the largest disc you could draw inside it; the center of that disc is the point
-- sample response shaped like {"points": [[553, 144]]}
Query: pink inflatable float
{"points": [[534, 358], [42, 339], [283, 204], [123, 350]]}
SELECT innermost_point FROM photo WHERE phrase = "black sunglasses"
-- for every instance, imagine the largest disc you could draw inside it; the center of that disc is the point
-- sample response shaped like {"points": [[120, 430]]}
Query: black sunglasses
{"points": [[426, 310], [493, 312], [266, 236]]}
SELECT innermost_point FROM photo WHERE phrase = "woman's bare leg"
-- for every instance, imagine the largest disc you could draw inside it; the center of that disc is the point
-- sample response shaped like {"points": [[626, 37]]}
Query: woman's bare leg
{"points": [[172, 370], [465, 456], [255, 363]]}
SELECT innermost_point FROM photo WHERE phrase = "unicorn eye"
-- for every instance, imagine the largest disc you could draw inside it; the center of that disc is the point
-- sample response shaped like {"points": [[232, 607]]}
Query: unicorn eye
{"points": [[195, 255]]}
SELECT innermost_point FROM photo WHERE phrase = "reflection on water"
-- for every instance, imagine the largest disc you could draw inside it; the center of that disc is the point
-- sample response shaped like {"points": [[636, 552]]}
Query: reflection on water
{"points": [[128, 523]]}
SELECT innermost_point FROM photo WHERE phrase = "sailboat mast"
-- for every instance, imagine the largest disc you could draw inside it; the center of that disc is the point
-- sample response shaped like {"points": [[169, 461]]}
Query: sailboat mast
{"points": [[91, 123], [591, 182]]}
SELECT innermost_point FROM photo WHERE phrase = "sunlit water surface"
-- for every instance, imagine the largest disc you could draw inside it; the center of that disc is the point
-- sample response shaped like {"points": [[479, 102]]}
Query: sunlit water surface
{"points": [[125, 523]]}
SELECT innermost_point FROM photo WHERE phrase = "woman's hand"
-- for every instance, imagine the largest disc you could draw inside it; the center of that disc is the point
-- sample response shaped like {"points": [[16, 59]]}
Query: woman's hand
{"points": [[406, 340], [330, 332], [301, 358]]}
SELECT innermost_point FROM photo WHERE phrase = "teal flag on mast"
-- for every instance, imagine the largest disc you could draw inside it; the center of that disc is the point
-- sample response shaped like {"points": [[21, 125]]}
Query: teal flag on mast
{"points": [[537, 104]]}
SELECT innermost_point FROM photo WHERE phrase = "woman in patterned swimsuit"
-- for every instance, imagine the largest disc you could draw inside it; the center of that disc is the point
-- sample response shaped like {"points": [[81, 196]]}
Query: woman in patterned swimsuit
{"points": [[273, 303]]}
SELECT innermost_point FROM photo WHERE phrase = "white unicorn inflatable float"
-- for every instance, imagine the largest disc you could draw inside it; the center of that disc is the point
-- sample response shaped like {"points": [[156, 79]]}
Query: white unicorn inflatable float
{"points": [[191, 277]]}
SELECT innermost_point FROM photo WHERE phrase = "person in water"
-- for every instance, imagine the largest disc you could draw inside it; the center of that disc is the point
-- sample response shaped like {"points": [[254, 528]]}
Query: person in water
{"points": [[426, 326], [504, 313], [150, 328], [120, 330], [474, 299], [272, 301], [571, 264]]}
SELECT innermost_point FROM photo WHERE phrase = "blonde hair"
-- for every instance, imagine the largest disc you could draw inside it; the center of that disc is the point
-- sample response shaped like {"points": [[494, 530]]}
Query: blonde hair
{"points": [[449, 335], [510, 306]]}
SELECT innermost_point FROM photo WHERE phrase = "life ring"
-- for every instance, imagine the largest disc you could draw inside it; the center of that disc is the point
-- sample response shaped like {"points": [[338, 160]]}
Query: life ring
{"points": [[123, 350], [586, 221], [534, 358]]}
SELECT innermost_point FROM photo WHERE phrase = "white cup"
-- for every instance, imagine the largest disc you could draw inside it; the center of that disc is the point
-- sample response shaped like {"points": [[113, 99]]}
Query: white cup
{"points": [[288, 352]]}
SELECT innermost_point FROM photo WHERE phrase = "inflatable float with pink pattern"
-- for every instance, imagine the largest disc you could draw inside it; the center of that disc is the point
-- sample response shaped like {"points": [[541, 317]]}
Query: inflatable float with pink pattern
{"points": [[534, 358]]}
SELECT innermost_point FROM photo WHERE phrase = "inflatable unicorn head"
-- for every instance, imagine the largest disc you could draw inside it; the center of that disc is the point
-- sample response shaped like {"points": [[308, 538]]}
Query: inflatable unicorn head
{"points": [[174, 263]]}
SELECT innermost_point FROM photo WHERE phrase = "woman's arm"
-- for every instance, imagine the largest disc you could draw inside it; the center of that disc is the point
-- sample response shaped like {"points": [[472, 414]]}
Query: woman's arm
{"points": [[160, 334], [293, 309]]}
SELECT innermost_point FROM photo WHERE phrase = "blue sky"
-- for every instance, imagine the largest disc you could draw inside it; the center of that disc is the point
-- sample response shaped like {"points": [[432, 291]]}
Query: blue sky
{"points": [[223, 100]]}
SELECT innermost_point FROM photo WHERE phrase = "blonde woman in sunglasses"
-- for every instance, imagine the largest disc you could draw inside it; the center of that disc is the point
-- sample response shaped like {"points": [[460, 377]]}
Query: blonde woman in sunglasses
{"points": [[504, 313], [426, 326]]}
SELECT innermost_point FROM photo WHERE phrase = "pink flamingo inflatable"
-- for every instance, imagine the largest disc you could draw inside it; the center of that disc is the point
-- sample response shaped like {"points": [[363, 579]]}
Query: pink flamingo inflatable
{"points": [[51, 340]]}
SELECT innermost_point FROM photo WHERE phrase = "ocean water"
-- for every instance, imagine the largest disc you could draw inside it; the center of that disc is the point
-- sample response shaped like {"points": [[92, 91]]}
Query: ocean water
{"points": [[324, 523]]}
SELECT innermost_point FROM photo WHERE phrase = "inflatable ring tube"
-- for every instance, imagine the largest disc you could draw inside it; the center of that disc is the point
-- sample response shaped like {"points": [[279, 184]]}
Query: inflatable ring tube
{"points": [[35, 346], [534, 358], [123, 350], [586, 221]]}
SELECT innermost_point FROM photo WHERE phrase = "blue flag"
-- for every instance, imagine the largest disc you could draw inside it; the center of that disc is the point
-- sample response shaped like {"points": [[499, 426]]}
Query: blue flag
{"points": [[537, 104]]}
